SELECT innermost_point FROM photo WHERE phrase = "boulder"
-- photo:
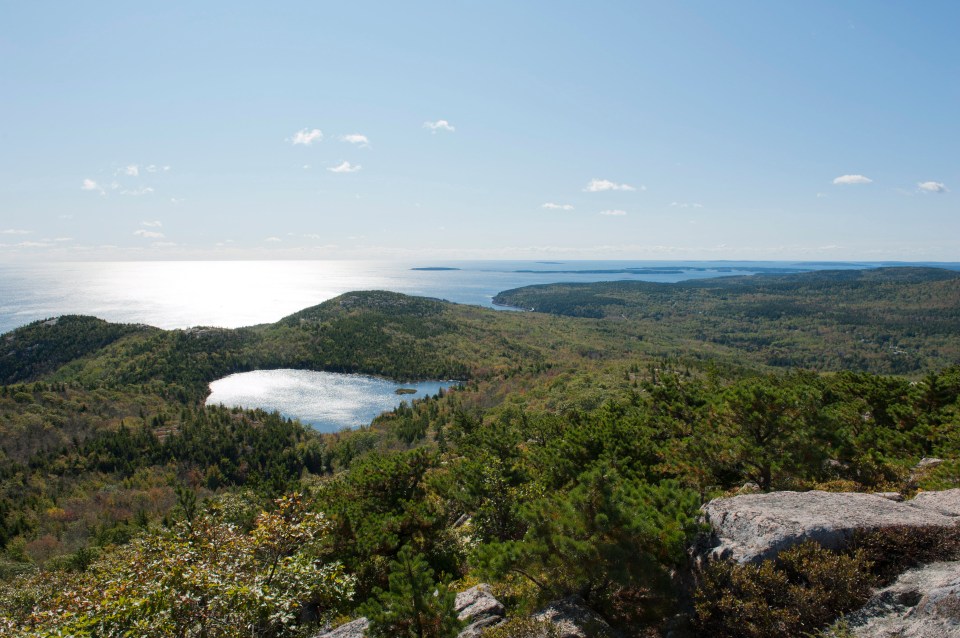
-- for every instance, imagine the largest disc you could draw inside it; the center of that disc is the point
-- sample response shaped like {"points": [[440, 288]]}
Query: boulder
{"points": [[353, 629], [922, 603], [946, 502], [754, 527], [478, 609], [573, 619]]}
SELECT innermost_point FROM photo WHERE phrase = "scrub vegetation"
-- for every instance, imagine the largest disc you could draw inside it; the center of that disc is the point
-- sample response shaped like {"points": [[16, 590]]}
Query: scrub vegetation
{"points": [[572, 460]]}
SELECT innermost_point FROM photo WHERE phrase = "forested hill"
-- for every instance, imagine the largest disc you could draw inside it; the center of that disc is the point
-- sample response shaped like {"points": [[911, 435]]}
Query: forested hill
{"points": [[43, 346], [897, 320], [573, 460], [891, 320]]}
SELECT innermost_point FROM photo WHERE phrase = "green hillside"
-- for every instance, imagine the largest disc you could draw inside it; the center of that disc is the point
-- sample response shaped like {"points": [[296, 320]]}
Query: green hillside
{"points": [[573, 459]]}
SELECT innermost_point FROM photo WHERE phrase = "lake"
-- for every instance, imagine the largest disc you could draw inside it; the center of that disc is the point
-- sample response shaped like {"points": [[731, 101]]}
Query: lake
{"points": [[327, 401]]}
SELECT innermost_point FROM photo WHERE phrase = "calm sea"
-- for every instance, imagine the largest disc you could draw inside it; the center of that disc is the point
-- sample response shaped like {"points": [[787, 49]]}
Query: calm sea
{"points": [[178, 294]]}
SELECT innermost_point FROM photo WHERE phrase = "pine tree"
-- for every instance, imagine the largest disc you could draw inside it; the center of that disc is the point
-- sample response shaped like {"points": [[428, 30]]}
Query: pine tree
{"points": [[415, 606]]}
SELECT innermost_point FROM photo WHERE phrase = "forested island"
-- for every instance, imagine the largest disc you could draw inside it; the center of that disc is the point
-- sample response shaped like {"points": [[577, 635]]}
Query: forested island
{"points": [[572, 463]]}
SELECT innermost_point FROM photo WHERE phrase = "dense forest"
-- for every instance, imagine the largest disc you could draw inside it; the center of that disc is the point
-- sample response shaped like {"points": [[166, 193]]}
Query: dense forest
{"points": [[573, 459]]}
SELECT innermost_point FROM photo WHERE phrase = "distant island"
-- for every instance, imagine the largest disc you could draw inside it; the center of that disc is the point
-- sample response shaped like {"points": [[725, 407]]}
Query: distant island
{"points": [[435, 268], [405, 391]]}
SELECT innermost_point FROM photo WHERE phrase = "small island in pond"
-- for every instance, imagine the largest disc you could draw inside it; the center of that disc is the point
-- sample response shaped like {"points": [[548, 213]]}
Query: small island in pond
{"points": [[405, 391]]}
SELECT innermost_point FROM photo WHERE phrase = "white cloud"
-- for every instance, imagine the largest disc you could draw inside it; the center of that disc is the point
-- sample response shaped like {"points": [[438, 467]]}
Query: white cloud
{"points": [[439, 125], [176, 201], [138, 191], [273, 239], [852, 179], [133, 170], [148, 234], [614, 213], [306, 137], [16, 231], [686, 205], [63, 239], [932, 187], [345, 167], [598, 185], [90, 185], [153, 224], [552, 206], [356, 138]]}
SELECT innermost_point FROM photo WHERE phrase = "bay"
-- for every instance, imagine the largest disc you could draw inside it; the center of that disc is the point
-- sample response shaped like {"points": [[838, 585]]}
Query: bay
{"points": [[230, 294]]}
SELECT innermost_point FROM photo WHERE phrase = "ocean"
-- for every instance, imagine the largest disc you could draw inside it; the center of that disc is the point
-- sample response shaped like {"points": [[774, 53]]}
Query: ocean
{"points": [[230, 294]]}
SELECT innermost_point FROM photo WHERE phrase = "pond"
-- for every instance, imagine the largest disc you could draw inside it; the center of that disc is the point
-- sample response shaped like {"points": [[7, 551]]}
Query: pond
{"points": [[327, 401]]}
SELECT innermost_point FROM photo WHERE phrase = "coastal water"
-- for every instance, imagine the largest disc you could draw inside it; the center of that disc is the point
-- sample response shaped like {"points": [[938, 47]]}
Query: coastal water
{"points": [[327, 401], [178, 294]]}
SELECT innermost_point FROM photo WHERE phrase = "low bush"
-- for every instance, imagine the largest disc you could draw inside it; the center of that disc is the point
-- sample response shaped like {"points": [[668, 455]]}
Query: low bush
{"points": [[893, 550], [803, 590]]}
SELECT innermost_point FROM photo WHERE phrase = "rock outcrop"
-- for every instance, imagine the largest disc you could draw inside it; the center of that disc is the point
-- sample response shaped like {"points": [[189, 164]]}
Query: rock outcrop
{"points": [[478, 609], [353, 629], [922, 603], [753, 527], [573, 619]]}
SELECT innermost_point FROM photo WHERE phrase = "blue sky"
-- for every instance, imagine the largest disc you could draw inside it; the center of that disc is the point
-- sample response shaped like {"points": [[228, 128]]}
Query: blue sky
{"points": [[629, 130]]}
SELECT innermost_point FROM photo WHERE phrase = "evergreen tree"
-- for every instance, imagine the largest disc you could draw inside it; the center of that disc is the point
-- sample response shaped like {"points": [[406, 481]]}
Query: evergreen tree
{"points": [[415, 606]]}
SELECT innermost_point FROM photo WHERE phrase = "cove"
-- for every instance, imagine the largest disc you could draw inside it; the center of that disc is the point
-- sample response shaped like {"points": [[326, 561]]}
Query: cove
{"points": [[326, 401]]}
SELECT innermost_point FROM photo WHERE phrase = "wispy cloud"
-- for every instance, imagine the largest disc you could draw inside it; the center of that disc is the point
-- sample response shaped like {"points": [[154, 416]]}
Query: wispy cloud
{"points": [[63, 239], [614, 213], [132, 170], [685, 205], [16, 231], [153, 168], [136, 192], [152, 224], [599, 185], [307, 137], [852, 179], [553, 206], [932, 187], [356, 138], [90, 185], [273, 239], [345, 167], [439, 125], [148, 234]]}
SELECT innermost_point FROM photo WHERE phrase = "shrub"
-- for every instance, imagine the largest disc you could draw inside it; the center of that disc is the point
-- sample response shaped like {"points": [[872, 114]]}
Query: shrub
{"points": [[803, 590], [894, 550], [522, 628]]}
